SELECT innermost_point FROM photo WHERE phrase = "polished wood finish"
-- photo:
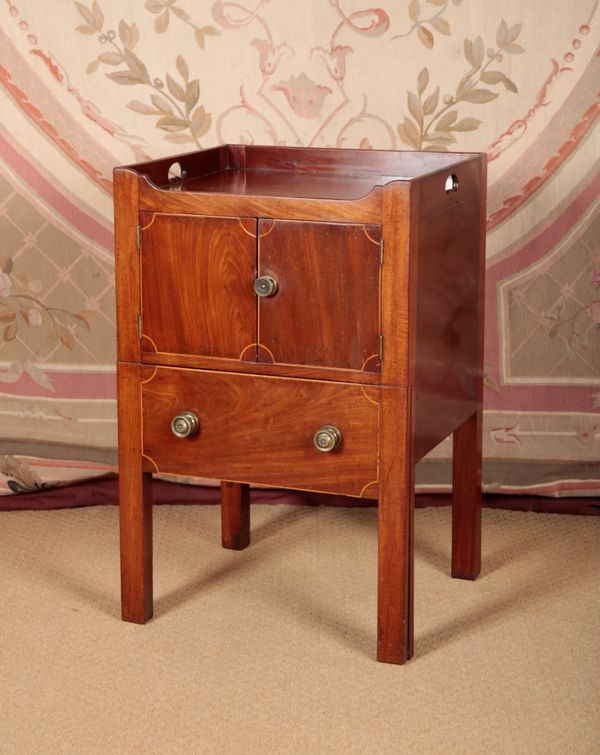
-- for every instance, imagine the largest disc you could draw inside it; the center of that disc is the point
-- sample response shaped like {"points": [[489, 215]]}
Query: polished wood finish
{"points": [[135, 499], [448, 370], [235, 515], [326, 308], [197, 276], [128, 290], [266, 367], [467, 437], [309, 355], [395, 622], [364, 210], [260, 429], [466, 498], [382, 166]]}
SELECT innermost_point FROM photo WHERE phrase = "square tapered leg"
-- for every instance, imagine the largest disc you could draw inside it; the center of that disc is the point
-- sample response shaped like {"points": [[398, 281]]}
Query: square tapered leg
{"points": [[135, 503], [396, 524], [466, 498], [235, 515]]}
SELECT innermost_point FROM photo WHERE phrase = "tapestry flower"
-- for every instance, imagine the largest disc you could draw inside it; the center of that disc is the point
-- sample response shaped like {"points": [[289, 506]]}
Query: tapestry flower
{"points": [[594, 310], [304, 96], [335, 59], [269, 55]]}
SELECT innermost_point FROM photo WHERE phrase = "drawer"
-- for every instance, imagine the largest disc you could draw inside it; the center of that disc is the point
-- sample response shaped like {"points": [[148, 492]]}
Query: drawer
{"points": [[260, 429]]}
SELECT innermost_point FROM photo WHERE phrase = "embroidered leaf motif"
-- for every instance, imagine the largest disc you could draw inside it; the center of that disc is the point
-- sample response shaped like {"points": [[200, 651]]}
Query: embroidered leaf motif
{"points": [[192, 95], [160, 103], [414, 10], [431, 102], [172, 123], [480, 96], [110, 58], [161, 23], [447, 119], [200, 123], [87, 15], [415, 107], [422, 80], [440, 24], [124, 78], [140, 107], [425, 36], [409, 133], [492, 77], [466, 124], [175, 88], [182, 67]]}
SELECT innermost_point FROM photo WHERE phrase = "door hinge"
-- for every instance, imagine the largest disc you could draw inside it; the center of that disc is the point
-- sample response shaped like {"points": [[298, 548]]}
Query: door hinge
{"points": [[140, 326], [381, 251], [381, 348], [138, 237]]}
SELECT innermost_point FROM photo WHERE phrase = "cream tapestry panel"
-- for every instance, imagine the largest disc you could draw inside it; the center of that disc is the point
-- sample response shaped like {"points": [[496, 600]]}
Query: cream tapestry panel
{"points": [[85, 86]]}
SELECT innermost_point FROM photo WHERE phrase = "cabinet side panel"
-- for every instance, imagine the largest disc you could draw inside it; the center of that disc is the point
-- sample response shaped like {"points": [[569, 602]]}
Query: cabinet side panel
{"points": [[448, 370]]}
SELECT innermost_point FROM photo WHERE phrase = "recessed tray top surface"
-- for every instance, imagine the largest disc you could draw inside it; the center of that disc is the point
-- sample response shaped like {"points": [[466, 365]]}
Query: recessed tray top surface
{"points": [[292, 172], [281, 184]]}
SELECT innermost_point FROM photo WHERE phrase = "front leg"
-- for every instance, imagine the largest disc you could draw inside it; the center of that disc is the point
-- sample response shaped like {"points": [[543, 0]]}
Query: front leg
{"points": [[135, 502], [396, 517]]}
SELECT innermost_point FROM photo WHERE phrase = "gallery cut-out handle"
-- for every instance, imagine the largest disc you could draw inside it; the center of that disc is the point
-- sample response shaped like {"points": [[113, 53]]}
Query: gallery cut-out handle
{"points": [[175, 173], [451, 183]]}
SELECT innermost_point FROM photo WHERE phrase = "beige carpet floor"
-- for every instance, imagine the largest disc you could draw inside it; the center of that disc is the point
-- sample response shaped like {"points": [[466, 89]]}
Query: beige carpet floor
{"points": [[271, 650]]}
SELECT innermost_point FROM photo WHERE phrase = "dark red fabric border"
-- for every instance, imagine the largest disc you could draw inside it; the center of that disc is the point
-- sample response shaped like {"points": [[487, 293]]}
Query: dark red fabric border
{"points": [[104, 491]]}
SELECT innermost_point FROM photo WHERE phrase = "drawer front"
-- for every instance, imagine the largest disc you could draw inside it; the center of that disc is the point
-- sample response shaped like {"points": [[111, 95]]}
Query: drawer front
{"points": [[325, 311], [261, 430]]}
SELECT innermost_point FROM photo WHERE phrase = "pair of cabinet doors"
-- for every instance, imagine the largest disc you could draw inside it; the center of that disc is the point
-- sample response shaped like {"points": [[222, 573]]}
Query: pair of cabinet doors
{"points": [[198, 279]]}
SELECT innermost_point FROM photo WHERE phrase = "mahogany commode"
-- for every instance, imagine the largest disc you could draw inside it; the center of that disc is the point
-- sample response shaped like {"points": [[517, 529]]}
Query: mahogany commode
{"points": [[301, 318]]}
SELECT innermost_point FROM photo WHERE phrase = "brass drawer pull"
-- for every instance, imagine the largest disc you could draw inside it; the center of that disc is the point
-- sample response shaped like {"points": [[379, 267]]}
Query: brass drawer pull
{"points": [[265, 286], [328, 438], [185, 424]]}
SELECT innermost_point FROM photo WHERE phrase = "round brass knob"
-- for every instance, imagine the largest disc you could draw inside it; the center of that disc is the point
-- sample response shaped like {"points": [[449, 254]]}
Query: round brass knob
{"points": [[185, 424], [265, 286], [327, 438]]}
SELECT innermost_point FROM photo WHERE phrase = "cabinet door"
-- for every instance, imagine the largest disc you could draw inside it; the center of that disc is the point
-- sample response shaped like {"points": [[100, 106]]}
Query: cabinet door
{"points": [[197, 275], [325, 310]]}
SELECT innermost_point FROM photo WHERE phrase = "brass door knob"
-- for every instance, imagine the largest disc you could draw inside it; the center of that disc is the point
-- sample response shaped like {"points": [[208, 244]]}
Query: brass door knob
{"points": [[327, 438], [185, 424], [265, 286]]}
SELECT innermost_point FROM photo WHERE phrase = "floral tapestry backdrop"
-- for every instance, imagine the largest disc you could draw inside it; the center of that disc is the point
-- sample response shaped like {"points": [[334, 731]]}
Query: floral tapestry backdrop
{"points": [[85, 86]]}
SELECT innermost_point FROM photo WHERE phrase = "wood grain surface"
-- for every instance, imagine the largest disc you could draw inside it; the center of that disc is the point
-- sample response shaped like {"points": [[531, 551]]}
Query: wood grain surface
{"points": [[326, 308], [127, 272], [312, 219], [395, 573], [197, 276], [448, 322], [135, 501], [364, 210], [260, 429], [235, 515]]}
